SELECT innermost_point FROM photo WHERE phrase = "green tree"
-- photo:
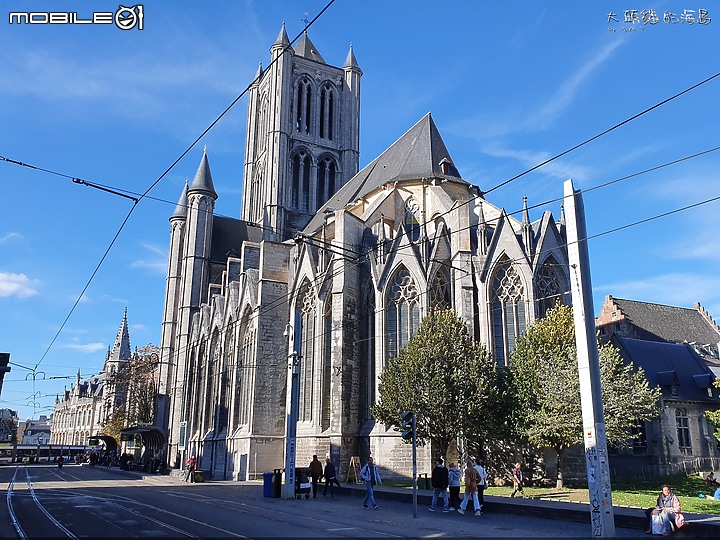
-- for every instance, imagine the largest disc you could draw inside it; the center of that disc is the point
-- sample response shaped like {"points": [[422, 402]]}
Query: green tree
{"points": [[714, 416], [136, 383], [448, 380], [545, 388]]}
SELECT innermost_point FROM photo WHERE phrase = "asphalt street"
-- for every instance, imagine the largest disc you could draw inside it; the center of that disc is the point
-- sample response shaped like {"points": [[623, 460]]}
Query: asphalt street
{"points": [[85, 501]]}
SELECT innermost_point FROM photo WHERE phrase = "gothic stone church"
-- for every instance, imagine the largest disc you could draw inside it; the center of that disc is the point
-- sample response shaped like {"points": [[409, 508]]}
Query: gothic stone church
{"points": [[332, 270]]}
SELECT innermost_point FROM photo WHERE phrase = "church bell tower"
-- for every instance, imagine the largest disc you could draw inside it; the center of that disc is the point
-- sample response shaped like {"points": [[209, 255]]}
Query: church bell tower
{"points": [[302, 141]]}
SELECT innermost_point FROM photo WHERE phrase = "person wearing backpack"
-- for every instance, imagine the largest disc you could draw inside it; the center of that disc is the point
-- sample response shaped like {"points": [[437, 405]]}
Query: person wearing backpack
{"points": [[370, 475]]}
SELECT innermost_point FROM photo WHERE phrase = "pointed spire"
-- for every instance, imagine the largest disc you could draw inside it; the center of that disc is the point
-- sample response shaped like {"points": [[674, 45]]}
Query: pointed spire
{"points": [[482, 230], [181, 208], [258, 73], [203, 178], [282, 39], [351, 61], [527, 232], [77, 378], [121, 350]]}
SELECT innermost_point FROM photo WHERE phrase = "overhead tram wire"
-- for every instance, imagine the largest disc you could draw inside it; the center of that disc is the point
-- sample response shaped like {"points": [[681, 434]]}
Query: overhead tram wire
{"points": [[620, 124], [579, 145], [555, 248], [159, 179], [133, 195], [364, 258]]}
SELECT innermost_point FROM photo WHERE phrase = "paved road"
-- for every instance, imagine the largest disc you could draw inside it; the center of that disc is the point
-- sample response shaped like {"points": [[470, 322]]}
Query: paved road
{"points": [[78, 502]]}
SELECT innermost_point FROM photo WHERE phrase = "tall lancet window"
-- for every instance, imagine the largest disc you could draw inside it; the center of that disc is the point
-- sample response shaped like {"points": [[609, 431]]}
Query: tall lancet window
{"points": [[300, 189], [412, 219], [549, 288], [303, 107], [440, 290], [327, 171], [508, 310], [327, 106], [403, 312], [367, 347], [307, 351], [327, 361]]}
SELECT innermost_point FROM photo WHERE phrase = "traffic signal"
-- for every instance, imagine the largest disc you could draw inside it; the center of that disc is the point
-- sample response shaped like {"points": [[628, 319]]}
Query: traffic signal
{"points": [[408, 425]]}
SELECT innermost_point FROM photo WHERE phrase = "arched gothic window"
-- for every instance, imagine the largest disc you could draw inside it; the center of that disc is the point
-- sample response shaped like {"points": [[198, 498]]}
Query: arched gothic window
{"points": [[508, 310], [403, 312], [306, 307], [300, 191], [303, 107], [549, 288], [367, 348], [327, 171], [327, 106], [440, 290], [327, 362], [412, 219]]}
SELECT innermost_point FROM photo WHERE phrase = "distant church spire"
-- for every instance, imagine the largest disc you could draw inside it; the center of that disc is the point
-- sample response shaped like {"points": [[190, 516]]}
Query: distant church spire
{"points": [[121, 351]]}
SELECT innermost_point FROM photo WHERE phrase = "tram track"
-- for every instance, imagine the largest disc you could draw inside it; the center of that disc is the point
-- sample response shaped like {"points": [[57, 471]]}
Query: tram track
{"points": [[13, 516]]}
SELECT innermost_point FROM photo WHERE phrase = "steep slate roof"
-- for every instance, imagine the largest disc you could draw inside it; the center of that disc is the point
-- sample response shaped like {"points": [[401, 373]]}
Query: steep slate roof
{"points": [[181, 208], [665, 363], [351, 61], [306, 49], [228, 234], [417, 154], [668, 323], [203, 178]]}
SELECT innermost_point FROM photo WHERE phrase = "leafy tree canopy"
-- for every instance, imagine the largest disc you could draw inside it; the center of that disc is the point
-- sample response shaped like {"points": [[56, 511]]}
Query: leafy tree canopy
{"points": [[447, 379], [545, 388]]}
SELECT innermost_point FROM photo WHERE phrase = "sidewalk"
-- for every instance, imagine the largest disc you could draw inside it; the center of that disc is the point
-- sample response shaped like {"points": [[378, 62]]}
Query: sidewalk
{"points": [[696, 525]]}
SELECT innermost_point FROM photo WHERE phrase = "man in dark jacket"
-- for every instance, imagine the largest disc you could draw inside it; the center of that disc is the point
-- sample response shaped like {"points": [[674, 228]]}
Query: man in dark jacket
{"points": [[439, 484], [316, 472], [330, 477]]}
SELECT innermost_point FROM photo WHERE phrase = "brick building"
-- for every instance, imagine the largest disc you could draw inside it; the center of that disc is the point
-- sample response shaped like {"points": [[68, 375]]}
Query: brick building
{"points": [[678, 350]]}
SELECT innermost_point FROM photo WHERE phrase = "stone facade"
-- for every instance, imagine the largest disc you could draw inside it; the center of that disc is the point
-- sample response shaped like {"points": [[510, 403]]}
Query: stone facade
{"points": [[83, 410], [327, 275]]}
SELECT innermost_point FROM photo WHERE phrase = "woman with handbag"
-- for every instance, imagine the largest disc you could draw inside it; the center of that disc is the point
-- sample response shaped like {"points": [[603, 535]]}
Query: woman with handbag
{"points": [[666, 516]]}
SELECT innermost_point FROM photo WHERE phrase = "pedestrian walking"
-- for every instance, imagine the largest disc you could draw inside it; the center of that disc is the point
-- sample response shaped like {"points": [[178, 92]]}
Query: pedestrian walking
{"points": [[330, 477], [517, 481], [482, 484], [454, 476], [371, 477], [439, 480], [191, 467], [316, 472], [471, 483]]}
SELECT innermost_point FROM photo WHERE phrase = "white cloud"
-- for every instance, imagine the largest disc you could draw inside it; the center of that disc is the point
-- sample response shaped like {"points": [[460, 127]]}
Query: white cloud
{"points": [[86, 347], [519, 120], [10, 236], [18, 285], [157, 261], [565, 94], [561, 169]]}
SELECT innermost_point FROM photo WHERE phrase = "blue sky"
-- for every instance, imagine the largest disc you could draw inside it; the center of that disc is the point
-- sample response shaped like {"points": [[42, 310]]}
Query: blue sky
{"points": [[508, 84]]}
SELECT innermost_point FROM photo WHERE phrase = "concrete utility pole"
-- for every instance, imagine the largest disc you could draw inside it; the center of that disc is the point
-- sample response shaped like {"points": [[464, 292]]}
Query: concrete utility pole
{"points": [[294, 360], [596, 454]]}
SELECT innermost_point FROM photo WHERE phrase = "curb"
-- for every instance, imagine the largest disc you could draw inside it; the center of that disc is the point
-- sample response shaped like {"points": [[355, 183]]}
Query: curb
{"points": [[696, 525]]}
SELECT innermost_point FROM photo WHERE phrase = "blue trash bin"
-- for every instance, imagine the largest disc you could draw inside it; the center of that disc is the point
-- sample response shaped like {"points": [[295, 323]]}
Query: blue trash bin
{"points": [[267, 484]]}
